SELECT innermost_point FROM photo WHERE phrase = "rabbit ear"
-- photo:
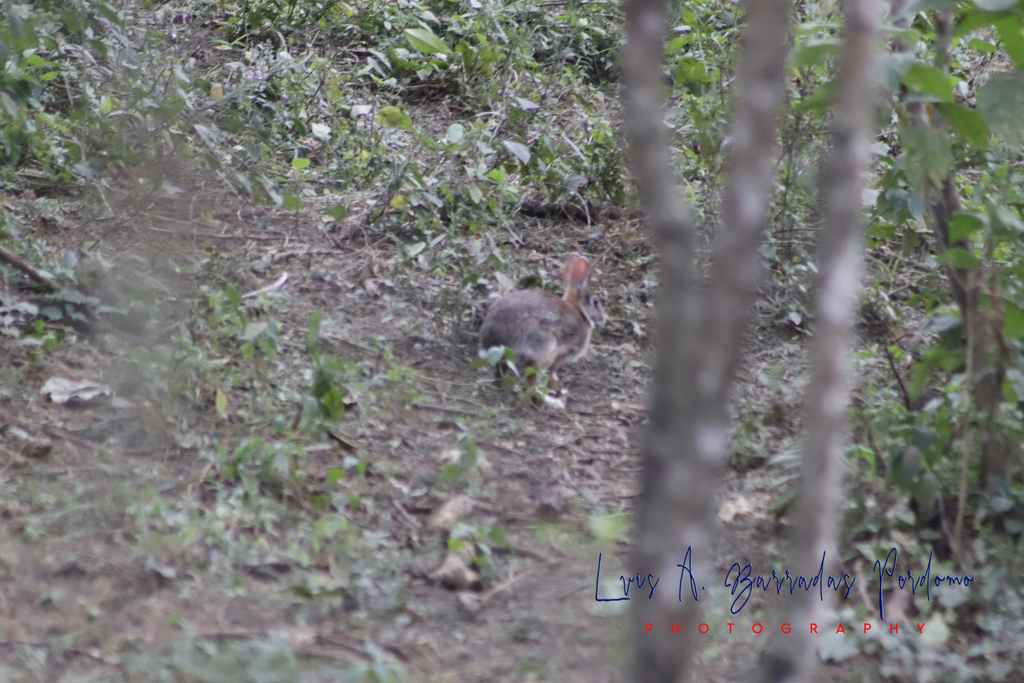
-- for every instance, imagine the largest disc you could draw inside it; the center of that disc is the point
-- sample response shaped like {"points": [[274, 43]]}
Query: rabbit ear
{"points": [[569, 266], [577, 270]]}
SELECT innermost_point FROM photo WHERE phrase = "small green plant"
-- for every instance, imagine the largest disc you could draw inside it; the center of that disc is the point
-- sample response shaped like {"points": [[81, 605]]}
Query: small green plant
{"points": [[325, 403], [536, 386]]}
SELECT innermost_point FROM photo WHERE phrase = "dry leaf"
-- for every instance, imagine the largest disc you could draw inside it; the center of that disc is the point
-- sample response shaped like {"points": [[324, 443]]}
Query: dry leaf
{"points": [[74, 392], [734, 509], [454, 573], [446, 516]]}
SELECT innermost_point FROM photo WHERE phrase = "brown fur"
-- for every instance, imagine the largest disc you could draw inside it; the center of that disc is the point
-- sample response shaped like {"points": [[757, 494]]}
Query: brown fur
{"points": [[543, 329]]}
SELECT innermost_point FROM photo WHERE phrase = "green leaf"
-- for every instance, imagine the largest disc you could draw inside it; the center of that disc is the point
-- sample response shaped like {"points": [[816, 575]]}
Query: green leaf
{"points": [[15, 23], [924, 5], [291, 203], [961, 259], [864, 452], [1013, 325], [470, 453], [982, 45], [424, 40], [677, 44], [338, 212], [929, 81], [996, 5], [299, 164], [917, 206], [972, 20], [609, 528], [968, 122], [72, 21], [222, 404], [1011, 32], [394, 117], [253, 330], [819, 100], [1001, 102], [929, 155], [906, 468], [937, 633], [455, 133], [313, 333], [108, 12], [692, 74], [893, 66], [814, 52], [963, 226], [1006, 220], [519, 150]]}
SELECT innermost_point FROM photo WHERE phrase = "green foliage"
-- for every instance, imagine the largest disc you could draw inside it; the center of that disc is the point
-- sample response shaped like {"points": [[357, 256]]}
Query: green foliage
{"points": [[919, 432], [327, 402], [325, 103], [281, 122]]}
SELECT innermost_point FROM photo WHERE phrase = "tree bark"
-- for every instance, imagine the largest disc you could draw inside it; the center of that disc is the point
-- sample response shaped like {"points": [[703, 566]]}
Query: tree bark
{"points": [[699, 332], [792, 658]]}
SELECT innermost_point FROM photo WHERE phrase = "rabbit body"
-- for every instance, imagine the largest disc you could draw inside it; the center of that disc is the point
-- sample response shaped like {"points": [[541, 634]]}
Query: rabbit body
{"points": [[543, 329]]}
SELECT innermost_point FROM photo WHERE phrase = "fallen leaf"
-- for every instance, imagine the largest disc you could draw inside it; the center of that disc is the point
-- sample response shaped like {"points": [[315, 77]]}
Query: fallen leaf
{"points": [[446, 516], [734, 509], [454, 573], [74, 392]]}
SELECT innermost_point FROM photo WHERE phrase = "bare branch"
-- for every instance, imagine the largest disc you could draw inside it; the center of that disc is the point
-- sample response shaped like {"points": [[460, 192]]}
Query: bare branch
{"points": [[27, 268]]}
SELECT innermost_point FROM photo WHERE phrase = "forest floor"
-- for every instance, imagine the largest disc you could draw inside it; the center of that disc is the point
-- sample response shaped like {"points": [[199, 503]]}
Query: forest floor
{"points": [[125, 549], [173, 507]]}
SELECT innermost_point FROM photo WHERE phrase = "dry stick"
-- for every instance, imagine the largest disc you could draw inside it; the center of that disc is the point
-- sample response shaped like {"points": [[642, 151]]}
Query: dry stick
{"points": [[899, 380], [273, 287], [27, 268], [440, 409], [214, 236], [37, 276]]}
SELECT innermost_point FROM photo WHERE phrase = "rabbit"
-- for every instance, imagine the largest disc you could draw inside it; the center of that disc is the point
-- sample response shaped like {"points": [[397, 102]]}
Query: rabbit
{"points": [[544, 330]]}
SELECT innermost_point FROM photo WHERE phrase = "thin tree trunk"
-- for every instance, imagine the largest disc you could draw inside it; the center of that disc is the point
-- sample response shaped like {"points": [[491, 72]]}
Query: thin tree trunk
{"points": [[969, 290], [793, 658], [698, 333]]}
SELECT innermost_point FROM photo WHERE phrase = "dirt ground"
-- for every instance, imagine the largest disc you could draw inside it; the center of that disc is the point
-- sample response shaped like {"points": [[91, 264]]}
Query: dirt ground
{"points": [[123, 555]]}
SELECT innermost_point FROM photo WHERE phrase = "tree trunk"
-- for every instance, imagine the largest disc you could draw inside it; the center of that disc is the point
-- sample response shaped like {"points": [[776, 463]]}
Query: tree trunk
{"points": [[699, 331], [792, 657]]}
